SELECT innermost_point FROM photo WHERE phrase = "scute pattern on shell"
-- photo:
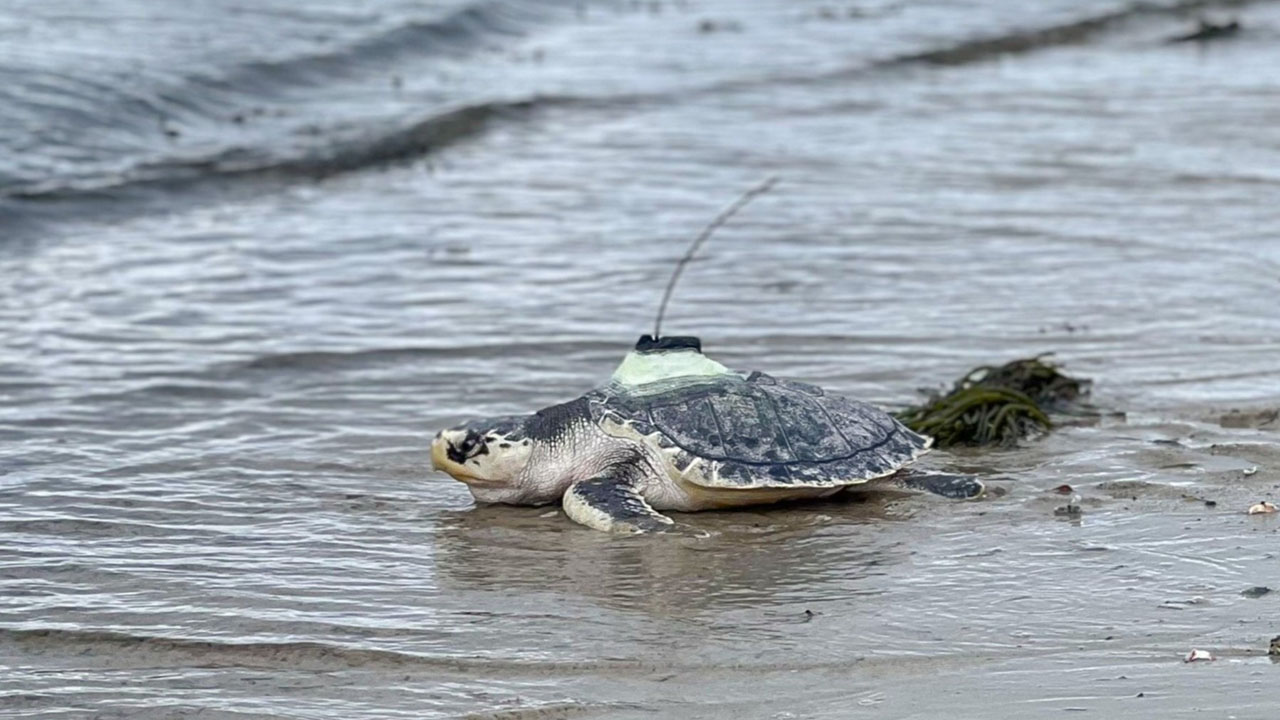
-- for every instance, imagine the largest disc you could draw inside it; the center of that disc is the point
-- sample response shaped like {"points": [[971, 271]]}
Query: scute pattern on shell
{"points": [[759, 431]]}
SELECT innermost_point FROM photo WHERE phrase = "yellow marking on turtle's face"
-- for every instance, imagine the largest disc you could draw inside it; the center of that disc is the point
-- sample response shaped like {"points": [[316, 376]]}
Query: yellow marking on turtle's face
{"points": [[440, 461]]}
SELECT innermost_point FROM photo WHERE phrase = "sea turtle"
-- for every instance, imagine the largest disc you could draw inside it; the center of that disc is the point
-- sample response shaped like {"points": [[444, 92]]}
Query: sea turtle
{"points": [[675, 430]]}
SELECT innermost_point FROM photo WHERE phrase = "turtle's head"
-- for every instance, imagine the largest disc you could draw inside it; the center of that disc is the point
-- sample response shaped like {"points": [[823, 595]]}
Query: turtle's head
{"points": [[488, 455]]}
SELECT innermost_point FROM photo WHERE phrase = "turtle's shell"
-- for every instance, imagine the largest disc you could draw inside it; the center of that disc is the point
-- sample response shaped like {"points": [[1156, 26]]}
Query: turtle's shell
{"points": [[758, 431]]}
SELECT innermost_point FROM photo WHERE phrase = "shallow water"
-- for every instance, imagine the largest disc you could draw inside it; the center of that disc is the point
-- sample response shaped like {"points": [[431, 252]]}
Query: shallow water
{"points": [[225, 344]]}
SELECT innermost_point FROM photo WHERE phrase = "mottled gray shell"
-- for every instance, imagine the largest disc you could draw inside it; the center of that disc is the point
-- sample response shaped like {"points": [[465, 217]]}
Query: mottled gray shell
{"points": [[759, 431]]}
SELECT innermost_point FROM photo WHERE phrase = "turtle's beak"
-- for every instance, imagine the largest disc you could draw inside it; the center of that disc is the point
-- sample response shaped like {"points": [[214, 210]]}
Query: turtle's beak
{"points": [[439, 456], [440, 459]]}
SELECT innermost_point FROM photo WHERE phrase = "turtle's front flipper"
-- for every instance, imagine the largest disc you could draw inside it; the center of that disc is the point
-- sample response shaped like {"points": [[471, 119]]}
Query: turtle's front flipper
{"points": [[610, 502], [956, 487]]}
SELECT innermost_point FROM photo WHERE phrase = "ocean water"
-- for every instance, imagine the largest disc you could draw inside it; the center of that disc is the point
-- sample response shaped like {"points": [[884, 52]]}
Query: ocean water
{"points": [[253, 255]]}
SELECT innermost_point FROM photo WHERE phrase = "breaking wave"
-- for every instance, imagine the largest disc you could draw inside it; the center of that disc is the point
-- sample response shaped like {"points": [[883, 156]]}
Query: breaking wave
{"points": [[400, 143], [1021, 41]]}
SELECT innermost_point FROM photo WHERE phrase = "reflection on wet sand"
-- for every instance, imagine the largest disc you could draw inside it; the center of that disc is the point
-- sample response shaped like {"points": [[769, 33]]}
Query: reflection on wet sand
{"points": [[789, 552]]}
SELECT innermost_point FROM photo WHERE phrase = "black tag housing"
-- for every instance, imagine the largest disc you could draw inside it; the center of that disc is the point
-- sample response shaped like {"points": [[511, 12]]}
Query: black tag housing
{"points": [[648, 343]]}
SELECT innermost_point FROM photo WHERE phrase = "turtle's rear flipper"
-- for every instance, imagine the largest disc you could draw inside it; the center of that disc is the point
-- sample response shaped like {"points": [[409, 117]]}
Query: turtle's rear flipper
{"points": [[610, 502], [956, 487]]}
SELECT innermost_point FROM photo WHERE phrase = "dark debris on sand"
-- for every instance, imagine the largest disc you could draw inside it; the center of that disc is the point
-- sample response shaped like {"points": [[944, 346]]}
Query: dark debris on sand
{"points": [[998, 405]]}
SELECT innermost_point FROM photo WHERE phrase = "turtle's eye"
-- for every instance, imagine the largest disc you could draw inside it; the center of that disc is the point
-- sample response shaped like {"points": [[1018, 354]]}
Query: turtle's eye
{"points": [[472, 445]]}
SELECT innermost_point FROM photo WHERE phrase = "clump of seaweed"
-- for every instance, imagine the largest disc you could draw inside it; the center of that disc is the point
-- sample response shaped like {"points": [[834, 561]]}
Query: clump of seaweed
{"points": [[1038, 378], [977, 416], [997, 405]]}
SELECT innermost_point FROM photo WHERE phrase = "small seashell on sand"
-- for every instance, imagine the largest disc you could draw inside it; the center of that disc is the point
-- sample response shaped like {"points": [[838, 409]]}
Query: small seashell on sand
{"points": [[1262, 508], [1198, 656]]}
